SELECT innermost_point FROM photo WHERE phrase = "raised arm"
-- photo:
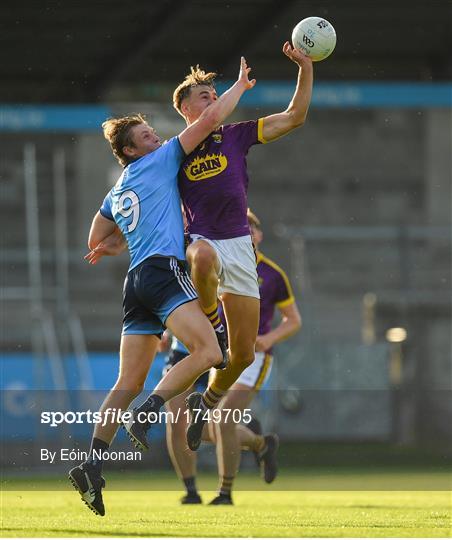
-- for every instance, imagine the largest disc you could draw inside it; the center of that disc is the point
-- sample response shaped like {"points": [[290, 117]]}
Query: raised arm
{"points": [[294, 116], [215, 114]]}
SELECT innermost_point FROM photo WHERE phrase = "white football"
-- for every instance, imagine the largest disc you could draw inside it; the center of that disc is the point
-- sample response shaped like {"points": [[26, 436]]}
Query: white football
{"points": [[315, 36]]}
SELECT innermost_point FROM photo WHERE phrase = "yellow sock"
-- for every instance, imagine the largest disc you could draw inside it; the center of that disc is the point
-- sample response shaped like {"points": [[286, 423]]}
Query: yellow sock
{"points": [[226, 485], [212, 396], [212, 314]]}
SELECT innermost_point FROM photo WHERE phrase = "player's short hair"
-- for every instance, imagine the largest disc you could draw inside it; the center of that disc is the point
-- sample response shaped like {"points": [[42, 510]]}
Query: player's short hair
{"points": [[253, 219], [196, 77], [117, 133]]}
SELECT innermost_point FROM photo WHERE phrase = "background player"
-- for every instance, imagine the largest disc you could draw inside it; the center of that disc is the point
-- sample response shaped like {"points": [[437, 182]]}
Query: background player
{"points": [[182, 458], [145, 205], [213, 183], [275, 291]]}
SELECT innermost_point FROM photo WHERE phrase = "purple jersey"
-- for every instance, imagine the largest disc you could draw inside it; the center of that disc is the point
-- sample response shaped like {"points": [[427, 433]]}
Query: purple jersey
{"points": [[275, 290], [213, 181]]}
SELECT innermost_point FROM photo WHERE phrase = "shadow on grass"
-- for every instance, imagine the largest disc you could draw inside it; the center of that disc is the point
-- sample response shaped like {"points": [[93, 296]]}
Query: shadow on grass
{"points": [[90, 532]]}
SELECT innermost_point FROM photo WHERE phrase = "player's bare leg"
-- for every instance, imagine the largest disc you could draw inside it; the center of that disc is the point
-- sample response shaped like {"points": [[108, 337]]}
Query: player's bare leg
{"points": [[249, 440], [228, 443], [232, 437], [182, 458], [190, 326], [205, 270], [242, 316], [136, 355]]}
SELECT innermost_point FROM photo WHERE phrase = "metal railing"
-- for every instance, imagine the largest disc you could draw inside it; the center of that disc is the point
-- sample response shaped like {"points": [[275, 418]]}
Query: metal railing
{"points": [[47, 338]]}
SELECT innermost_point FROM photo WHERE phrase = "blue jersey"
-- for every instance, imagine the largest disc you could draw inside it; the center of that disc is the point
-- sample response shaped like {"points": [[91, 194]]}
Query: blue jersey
{"points": [[145, 204]]}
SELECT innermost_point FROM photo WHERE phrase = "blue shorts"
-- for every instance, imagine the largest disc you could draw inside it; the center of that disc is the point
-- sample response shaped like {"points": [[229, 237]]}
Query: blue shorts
{"points": [[152, 291], [173, 358]]}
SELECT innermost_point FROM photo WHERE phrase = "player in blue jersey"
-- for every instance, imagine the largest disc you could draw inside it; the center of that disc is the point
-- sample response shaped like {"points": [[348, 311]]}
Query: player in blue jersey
{"points": [[144, 207]]}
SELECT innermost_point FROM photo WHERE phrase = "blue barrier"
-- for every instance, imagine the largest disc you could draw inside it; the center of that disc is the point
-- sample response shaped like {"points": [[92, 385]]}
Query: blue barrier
{"points": [[27, 389], [53, 118], [22, 371], [354, 94], [350, 94]]}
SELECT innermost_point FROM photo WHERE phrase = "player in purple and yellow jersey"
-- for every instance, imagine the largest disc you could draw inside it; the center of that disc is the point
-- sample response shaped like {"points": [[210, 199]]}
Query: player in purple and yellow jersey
{"points": [[213, 183], [275, 292]]}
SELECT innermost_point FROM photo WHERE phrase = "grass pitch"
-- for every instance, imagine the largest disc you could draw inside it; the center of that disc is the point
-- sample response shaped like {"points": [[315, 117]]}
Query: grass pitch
{"points": [[45, 508]]}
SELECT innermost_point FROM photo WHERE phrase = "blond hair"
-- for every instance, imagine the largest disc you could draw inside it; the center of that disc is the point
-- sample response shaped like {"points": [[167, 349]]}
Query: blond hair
{"points": [[117, 133], [196, 77]]}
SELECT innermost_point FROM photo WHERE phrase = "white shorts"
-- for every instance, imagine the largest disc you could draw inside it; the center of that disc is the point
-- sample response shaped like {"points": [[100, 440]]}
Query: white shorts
{"points": [[258, 372], [238, 274]]}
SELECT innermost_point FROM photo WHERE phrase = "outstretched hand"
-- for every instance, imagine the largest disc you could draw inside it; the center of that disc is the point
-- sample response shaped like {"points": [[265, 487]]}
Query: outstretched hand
{"points": [[297, 55], [243, 75]]}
